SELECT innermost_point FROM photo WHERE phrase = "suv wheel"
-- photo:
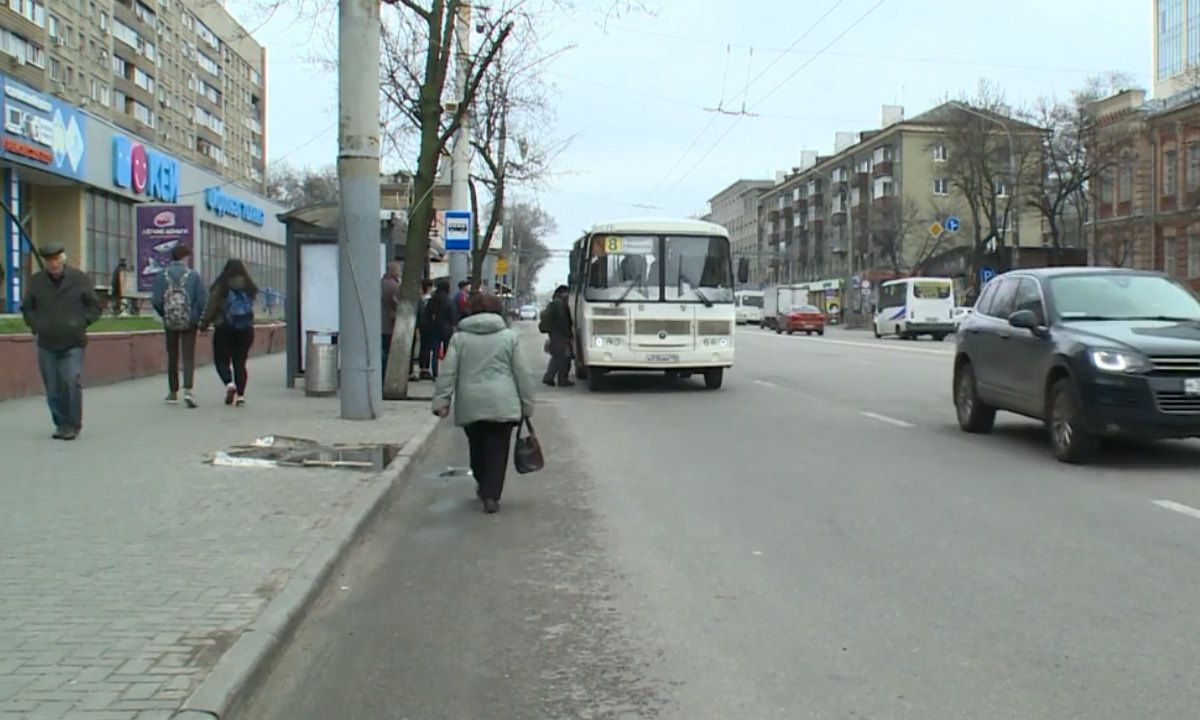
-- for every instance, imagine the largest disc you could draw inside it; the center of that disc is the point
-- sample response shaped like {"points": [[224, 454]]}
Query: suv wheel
{"points": [[974, 415], [1069, 439]]}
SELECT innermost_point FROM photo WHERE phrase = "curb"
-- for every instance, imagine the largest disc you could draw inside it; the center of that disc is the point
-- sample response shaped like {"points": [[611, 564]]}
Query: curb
{"points": [[252, 655]]}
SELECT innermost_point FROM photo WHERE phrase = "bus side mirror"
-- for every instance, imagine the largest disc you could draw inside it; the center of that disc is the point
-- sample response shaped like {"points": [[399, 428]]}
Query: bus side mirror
{"points": [[743, 273]]}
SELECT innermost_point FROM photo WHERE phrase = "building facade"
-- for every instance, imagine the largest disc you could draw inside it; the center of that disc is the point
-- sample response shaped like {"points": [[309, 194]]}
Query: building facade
{"points": [[181, 74], [113, 104], [1175, 45], [736, 209], [1147, 199], [882, 205]]}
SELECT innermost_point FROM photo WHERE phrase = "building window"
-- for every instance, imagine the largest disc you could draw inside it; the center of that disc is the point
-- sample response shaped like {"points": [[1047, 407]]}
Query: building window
{"points": [[55, 69], [939, 152], [32, 10], [1001, 188], [54, 27], [208, 64], [1170, 38], [126, 34], [1170, 173], [941, 186], [264, 260], [208, 35], [109, 235], [144, 13], [1193, 161], [103, 20], [143, 80], [1125, 181], [1106, 186], [119, 66], [1193, 257], [1169, 256]]}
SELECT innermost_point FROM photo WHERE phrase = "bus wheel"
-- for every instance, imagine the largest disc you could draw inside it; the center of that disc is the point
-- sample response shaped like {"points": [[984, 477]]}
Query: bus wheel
{"points": [[713, 378], [595, 380], [877, 333]]}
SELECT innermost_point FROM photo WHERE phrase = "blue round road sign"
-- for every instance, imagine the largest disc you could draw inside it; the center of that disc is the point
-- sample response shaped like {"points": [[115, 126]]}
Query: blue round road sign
{"points": [[951, 224]]}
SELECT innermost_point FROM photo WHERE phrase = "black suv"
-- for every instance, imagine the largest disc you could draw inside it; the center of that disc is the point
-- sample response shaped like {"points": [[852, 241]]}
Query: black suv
{"points": [[1091, 351]]}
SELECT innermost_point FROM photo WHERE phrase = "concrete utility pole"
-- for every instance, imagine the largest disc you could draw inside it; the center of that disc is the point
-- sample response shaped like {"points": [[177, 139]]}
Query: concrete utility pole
{"points": [[460, 154], [359, 319]]}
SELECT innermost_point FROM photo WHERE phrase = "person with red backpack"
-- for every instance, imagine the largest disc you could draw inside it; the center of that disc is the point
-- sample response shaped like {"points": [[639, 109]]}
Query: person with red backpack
{"points": [[231, 311], [179, 297]]}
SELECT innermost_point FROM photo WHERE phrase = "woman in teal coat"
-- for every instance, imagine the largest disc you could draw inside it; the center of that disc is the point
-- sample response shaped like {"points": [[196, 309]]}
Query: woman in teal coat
{"points": [[486, 376]]}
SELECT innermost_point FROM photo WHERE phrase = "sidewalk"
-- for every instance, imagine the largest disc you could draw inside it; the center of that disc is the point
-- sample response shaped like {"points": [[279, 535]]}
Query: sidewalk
{"points": [[130, 568]]}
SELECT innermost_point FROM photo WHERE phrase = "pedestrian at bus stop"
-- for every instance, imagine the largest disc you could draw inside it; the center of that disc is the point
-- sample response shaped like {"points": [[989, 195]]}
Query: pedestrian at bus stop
{"points": [[557, 324], [58, 307], [486, 376], [231, 308], [179, 298]]}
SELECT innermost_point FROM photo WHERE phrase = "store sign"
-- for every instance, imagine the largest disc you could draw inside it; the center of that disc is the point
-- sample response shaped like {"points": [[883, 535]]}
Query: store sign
{"points": [[42, 131], [159, 229], [144, 171], [222, 204]]}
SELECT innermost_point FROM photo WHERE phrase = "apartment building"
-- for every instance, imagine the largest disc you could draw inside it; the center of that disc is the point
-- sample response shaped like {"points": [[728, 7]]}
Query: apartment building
{"points": [[1175, 45], [112, 104], [736, 209], [1147, 199], [881, 205]]}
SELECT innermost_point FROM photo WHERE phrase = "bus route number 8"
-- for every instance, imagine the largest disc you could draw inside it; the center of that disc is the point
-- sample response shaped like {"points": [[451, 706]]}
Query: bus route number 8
{"points": [[612, 244]]}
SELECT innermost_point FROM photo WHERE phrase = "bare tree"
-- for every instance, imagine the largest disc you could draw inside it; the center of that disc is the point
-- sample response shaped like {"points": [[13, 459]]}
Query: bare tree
{"points": [[1070, 156], [1121, 240], [297, 187], [513, 102], [991, 156], [527, 226], [901, 236]]}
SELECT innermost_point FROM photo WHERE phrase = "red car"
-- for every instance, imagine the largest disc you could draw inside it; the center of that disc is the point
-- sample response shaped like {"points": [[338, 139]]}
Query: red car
{"points": [[801, 318]]}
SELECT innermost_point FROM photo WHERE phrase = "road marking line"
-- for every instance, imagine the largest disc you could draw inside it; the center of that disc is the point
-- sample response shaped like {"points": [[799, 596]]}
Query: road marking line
{"points": [[873, 346], [764, 383], [1178, 507], [886, 419]]}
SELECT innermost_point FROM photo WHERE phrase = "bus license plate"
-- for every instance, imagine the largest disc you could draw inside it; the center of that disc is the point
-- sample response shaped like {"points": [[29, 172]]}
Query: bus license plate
{"points": [[661, 357]]}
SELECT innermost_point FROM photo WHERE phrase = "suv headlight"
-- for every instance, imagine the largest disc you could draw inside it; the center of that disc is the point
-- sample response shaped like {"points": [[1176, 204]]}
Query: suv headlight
{"points": [[1117, 361]]}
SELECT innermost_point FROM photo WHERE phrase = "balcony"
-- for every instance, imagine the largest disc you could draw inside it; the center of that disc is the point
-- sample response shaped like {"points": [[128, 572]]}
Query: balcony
{"points": [[884, 203], [861, 180], [883, 169]]}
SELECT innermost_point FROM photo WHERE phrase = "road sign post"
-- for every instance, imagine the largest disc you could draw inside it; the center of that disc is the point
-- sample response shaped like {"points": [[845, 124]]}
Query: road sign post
{"points": [[457, 231]]}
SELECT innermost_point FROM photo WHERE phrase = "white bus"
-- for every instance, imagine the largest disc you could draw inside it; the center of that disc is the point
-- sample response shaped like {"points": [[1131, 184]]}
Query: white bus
{"points": [[749, 304], [911, 307], [653, 295]]}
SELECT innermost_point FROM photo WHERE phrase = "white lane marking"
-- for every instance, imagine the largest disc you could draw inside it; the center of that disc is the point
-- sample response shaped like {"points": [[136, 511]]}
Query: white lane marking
{"points": [[872, 346], [1178, 507], [886, 419], [764, 383]]}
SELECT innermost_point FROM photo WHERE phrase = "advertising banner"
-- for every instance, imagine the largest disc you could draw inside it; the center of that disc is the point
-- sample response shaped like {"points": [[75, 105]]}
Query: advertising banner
{"points": [[159, 229], [42, 131]]}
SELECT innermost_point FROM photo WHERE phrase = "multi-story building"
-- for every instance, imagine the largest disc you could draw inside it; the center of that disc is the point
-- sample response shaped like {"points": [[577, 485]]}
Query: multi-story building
{"points": [[883, 204], [1175, 45], [736, 209], [1147, 198], [111, 103]]}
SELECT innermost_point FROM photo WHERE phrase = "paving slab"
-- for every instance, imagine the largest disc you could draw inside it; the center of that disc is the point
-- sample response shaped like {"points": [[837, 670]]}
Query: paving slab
{"points": [[139, 579]]}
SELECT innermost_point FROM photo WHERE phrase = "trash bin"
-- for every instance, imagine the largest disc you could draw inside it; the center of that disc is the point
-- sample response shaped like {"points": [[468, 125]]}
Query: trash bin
{"points": [[321, 365]]}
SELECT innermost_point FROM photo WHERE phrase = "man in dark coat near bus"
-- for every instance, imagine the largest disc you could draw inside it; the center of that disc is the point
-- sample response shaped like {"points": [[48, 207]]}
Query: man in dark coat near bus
{"points": [[557, 324]]}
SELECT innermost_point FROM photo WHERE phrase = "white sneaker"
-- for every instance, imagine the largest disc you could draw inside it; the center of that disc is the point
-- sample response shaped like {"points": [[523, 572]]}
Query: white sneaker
{"points": [[188, 399], [239, 401], [230, 393], [172, 399]]}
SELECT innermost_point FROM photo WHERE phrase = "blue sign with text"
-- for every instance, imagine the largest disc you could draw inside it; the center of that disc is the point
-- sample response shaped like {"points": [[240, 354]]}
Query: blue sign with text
{"points": [[144, 171], [986, 274], [457, 229], [223, 204], [42, 131]]}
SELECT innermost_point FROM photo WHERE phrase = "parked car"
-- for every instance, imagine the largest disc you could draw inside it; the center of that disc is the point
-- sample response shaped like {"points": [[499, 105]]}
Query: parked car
{"points": [[807, 319], [1091, 352], [529, 312]]}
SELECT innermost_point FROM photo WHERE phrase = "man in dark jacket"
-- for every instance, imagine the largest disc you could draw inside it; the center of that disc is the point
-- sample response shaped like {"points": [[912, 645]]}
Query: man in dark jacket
{"points": [[437, 324], [561, 329], [59, 305], [389, 297]]}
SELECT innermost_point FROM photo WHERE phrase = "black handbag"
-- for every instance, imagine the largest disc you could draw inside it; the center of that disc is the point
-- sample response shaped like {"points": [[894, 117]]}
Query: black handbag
{"points": [[527, 451]]}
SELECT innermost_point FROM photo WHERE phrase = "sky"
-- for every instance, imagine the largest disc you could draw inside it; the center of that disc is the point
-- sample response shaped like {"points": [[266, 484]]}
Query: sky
{"points": [[637, 92]]}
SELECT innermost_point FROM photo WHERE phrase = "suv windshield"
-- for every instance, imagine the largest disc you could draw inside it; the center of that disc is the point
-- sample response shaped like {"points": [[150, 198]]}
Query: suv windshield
{"points": [[1118, 296]]}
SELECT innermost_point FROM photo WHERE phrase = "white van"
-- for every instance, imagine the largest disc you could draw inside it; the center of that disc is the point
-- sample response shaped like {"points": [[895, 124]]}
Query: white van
{"points": [[749, 304], [911, 307]]}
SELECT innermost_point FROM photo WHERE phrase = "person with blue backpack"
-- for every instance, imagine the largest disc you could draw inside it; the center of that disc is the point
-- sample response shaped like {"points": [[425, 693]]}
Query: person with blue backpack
{"points": [[179, 297], [230, 312]]}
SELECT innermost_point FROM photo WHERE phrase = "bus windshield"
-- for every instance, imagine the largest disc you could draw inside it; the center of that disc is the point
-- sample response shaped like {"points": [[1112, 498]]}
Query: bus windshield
{"points": [[755, 301], [648, 268]]}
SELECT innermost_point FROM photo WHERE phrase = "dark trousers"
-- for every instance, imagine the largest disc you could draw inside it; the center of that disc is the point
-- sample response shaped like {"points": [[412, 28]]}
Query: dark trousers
{"points": [[559, 367], [437, 344], [62, 375], [387, 351], [184, 340], [231, 349], [425, 348], [489, 443]]}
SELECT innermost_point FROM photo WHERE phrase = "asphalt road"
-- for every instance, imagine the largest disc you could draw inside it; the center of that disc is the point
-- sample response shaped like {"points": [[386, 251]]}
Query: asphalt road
{"points": [[816, 540]]}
